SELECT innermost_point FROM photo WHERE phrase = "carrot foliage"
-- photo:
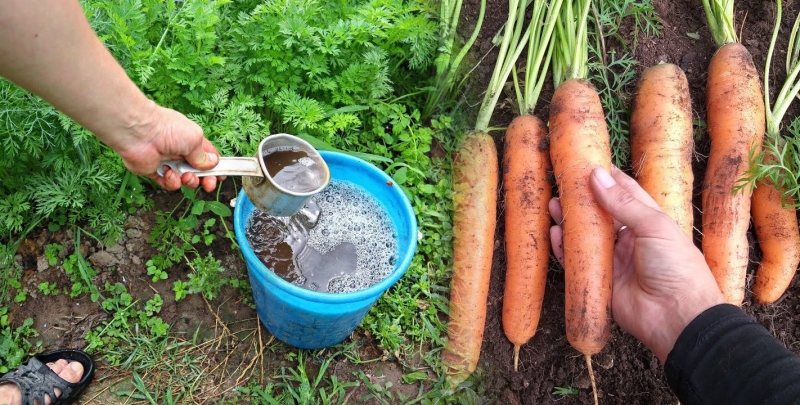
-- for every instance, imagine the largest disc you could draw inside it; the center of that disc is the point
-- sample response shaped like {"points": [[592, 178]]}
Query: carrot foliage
{"points": [[783, 168]]}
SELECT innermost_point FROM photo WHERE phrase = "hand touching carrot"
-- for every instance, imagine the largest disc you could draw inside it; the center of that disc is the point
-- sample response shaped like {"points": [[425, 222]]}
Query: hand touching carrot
{"points": [[655, 263]]}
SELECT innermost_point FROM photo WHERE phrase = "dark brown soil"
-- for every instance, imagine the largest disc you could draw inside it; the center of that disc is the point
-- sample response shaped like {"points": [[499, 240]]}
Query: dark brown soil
{"points": [[626, 372]]}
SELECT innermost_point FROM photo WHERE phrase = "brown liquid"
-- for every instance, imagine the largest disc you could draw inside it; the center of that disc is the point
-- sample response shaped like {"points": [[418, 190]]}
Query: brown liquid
{"points": [[348, 225], [282, 245], [293, 169]]}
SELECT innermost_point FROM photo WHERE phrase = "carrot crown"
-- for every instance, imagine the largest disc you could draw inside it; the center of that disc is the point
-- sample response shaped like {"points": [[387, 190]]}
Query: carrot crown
{"points": [[719, 14], [510, 48], [540, 51], [571, 53]]}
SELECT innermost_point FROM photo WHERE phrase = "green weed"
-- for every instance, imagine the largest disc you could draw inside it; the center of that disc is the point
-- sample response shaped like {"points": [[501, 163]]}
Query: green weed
{"points": [[564, 391], [612, 71], [14, 342]]}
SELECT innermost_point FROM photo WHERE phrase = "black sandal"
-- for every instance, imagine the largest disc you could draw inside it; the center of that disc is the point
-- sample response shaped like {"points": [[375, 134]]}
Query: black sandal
{"points": [[35, 379]]}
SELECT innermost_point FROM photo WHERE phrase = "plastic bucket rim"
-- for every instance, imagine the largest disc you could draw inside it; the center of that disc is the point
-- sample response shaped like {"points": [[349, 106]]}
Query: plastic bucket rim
{"points": [[370, 293]]}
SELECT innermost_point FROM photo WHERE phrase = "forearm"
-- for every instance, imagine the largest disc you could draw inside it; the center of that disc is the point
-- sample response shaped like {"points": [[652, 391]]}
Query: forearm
{"points": [[725, 357], [48, 48]]}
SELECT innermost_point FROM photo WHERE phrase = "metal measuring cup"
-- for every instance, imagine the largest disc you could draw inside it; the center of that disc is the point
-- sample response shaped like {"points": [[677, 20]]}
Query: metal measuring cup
{"points": [[267, 194]]}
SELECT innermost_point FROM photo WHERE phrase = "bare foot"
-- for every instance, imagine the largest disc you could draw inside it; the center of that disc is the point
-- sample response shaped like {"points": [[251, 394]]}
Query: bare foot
{"points": [[71, 372]]}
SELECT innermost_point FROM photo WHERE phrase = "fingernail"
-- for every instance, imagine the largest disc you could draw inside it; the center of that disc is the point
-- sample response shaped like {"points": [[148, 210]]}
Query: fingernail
{"points": [[212, 157], [604, 178]]}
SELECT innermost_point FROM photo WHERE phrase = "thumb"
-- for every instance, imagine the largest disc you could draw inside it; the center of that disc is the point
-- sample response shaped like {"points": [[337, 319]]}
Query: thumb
{"points": [[199, 158], [623, 205]]}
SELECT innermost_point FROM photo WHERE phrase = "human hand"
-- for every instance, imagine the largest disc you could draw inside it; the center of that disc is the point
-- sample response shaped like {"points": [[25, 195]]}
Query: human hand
{"points": [[661, 280], [167, 134]]}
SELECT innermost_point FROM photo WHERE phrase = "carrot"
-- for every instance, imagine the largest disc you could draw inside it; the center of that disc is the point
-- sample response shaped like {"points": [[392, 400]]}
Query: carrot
{"points": [[661, 141], [776, 224], [735, 125], [475, 179], [526, 166], [779, 238], [526, 163], [579, 142]]}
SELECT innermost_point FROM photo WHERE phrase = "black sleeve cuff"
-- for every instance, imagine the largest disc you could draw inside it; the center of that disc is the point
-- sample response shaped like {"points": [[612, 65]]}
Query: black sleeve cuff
{"points": [[724, 356]]}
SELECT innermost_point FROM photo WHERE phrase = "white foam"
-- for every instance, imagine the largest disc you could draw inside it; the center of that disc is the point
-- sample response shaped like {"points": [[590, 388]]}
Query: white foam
{"points": [[349, 214]]}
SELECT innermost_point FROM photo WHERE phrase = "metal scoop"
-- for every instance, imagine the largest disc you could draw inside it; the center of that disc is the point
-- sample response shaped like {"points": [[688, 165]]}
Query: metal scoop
{"points": [[274, 187]]}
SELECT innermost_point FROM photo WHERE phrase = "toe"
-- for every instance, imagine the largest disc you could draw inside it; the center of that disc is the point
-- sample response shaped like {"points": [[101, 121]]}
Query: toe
{"points": [[72, 372]]}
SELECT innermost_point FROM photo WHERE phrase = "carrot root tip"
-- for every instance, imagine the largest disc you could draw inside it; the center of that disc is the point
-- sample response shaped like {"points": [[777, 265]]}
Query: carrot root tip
{"points": [[516, 357], [591, 377]]}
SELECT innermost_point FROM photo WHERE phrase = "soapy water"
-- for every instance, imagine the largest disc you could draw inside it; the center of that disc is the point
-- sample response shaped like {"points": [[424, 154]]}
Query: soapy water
{"points": [[341, 241], [293, 169]]}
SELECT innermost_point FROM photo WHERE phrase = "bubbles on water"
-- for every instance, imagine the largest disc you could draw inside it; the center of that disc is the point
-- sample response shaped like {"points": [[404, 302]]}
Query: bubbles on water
{"points": [[358, 219], [343, 238]]}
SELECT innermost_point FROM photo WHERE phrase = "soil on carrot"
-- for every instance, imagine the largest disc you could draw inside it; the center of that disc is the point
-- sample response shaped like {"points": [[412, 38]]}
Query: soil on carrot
{"points": [[626, 372]]}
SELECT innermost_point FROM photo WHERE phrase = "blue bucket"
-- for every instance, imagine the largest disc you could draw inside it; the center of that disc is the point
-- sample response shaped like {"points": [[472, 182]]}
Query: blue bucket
{"points": [[310, 319]]}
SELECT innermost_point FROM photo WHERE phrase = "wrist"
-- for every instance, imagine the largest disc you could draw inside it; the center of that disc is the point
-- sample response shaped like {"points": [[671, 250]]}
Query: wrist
{"points": [[129, 126], [681, 312]]}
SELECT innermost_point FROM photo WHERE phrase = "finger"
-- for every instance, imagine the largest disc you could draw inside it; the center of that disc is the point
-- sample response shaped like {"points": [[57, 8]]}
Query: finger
{"points": [[170, 181], [644, 220], [633, 187], [190, 180], [557, 242], [554, 206], [209, 183], [204, 155]]}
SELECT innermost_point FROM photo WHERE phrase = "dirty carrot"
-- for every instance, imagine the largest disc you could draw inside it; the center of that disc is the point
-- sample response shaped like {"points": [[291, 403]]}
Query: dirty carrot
{"points": [[475, 181], [779, 239], [662, 141], [736, 125], [526, 163], [527, 190], [579, 142], [774, 216], [475, 178]]}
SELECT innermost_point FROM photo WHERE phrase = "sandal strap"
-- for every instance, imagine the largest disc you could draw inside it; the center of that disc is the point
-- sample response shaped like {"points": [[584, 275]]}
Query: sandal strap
{"points": [[35, 380]]}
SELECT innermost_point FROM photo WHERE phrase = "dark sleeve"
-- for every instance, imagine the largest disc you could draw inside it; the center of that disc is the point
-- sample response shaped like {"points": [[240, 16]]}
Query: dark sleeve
{"points": [[725, 357]]}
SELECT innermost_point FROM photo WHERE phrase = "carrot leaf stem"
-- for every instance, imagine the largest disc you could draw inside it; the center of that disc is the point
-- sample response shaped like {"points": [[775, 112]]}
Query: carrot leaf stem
{"points": [[510, 48], [570, 60], [447, 65], [719, 14]]}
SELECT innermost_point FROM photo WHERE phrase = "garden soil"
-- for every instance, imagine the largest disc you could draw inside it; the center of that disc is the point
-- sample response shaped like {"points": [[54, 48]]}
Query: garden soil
{"points": [[626, 372]]}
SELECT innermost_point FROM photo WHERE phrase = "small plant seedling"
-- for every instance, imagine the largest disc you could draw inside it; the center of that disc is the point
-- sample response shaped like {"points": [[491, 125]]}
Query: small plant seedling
{"points": [[564, 391], [51, 253], [693, 35], [48, 288]]}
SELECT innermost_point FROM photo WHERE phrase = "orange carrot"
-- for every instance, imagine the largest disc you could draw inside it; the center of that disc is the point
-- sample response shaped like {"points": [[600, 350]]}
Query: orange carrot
{"points": [[579, 142], [779, 238], [661, 141], [776, 226], [475, 178], [527, 192], [736, 124]]}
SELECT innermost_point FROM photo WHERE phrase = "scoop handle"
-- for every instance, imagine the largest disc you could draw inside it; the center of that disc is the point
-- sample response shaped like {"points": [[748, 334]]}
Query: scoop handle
{"points": [[227, 166]]}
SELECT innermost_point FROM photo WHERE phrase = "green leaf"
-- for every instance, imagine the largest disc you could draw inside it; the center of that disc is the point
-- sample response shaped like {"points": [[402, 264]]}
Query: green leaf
{"points": [[400, 175], [219, 208]]}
